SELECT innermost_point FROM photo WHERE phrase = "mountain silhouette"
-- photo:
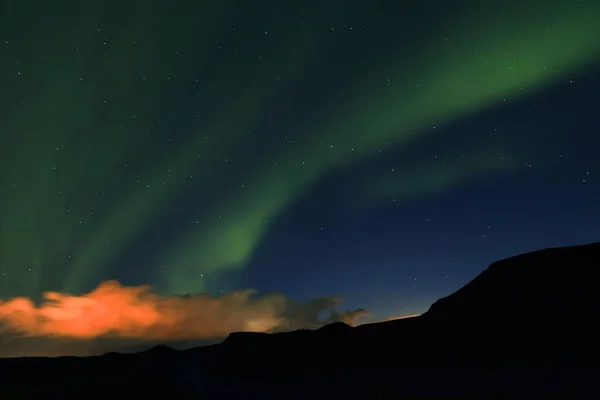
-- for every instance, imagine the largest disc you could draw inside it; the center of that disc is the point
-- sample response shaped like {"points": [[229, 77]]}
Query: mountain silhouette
{"points": [[541, 285], [526, 327]]}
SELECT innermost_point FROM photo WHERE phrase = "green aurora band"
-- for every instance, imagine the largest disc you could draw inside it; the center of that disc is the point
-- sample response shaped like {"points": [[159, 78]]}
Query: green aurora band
{"points": [[82, 174]]}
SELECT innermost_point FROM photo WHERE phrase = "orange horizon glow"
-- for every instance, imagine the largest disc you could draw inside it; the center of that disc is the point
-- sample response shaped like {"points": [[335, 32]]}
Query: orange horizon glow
{"points": [[402, 317], [136, 313], [117, 311]]}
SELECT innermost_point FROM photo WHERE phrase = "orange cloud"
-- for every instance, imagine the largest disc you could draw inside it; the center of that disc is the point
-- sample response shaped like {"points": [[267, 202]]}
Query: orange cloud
{"points": [[113, 310]]}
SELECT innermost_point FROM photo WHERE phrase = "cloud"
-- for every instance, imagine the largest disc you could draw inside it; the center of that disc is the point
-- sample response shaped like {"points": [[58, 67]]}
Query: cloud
{"points": [[114, 314]]}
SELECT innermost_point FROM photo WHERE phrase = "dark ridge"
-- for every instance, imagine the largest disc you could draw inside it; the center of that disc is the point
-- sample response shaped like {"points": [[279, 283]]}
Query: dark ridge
{"points": [[533, 304], [111, 354], [535, 313], [160, 349], [336, 327], [545, 284]]}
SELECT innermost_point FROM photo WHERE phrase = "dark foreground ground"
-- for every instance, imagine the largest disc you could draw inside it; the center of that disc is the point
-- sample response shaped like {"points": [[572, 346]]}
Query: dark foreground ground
{"points": [[525, 328], [508, 381]]}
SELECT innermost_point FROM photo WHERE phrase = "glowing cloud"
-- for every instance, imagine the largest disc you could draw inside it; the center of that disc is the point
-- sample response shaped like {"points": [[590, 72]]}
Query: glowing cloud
{"points": [[113, 310]]}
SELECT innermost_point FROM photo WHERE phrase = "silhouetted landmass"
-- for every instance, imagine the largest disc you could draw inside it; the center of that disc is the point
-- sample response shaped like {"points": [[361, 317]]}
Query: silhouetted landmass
{"points": [[526, 327]]}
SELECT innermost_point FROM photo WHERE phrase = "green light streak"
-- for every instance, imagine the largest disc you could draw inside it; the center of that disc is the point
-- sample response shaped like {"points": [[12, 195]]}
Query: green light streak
{"points": [[136, 214], [468, 75], [83, 100]]}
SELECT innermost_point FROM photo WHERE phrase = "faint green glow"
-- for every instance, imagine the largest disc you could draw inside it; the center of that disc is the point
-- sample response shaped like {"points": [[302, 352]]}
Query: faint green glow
{"points": [[481, 65], [71, 130]]}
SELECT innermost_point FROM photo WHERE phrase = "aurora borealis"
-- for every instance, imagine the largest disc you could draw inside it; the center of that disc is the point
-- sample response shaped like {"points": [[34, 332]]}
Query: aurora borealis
{"points": [[179, 144]]}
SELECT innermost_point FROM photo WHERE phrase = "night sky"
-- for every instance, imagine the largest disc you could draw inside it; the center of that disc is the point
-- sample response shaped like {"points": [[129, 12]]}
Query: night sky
{"points": [[381, 151]]}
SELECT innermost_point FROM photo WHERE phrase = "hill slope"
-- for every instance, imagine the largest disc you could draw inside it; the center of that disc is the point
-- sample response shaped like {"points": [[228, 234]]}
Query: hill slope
{"points": [[540, 306], [546, 284], [536, 304]]}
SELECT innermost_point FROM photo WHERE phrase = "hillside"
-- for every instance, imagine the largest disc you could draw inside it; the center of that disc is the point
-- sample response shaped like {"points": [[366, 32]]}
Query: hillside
{"points": [[538, 308]]}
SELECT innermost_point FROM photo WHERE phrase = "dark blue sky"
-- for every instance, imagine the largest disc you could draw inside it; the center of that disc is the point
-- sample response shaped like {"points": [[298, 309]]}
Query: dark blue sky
{"points": [[399, 256], [382, 151]]}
